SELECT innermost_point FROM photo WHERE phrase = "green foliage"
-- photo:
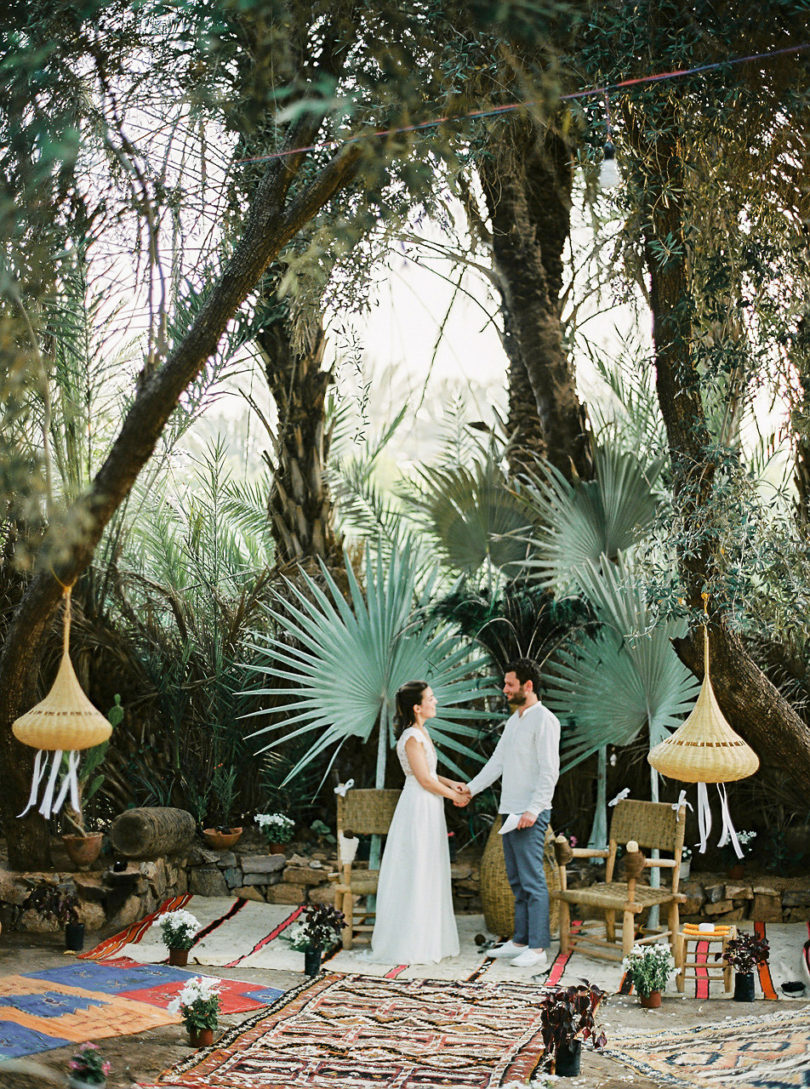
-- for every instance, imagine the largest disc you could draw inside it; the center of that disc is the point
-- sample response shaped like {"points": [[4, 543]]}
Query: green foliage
{"points": [[341, 662]]}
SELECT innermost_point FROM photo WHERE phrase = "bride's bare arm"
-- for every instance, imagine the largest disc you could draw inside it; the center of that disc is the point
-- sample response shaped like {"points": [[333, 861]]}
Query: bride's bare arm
{"points": [[419, 766]]}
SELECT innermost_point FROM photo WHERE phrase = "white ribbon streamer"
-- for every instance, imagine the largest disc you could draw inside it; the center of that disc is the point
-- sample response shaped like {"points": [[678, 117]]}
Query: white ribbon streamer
{"points": [[40, 763], [46, 808], [728, 835], [620, 796], [704, 816], [681, 801], [347, 848], [343, 788], [69, 783]]}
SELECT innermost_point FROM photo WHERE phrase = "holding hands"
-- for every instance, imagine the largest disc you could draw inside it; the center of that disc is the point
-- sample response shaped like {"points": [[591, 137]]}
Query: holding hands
{"points": [[463, 795]]}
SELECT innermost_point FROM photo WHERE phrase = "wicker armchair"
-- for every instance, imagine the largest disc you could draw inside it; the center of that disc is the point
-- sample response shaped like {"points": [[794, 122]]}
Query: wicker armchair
{"points": [[650, 824], [363, 812]]}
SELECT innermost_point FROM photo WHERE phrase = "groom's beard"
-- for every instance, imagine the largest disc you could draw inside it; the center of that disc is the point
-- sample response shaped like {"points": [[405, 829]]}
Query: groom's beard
{"points": [[516, 701]]}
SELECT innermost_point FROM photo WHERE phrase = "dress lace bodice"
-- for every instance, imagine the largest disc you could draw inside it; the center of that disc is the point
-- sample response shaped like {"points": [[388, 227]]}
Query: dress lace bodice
{"points": [[427, 744]]}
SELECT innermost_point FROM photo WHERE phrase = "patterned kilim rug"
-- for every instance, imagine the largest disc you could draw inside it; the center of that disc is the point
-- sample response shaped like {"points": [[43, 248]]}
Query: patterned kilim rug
{"points": [[88, 1000], [369, 1032], [751, 1053]]}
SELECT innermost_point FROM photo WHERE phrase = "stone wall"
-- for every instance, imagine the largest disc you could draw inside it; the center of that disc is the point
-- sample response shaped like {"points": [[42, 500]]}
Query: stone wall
{"points": [[116, 899]]}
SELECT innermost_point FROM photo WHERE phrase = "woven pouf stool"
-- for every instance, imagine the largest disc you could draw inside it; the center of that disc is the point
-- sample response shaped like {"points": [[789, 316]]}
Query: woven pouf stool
{"points": [[717, 969], [497, 899]]}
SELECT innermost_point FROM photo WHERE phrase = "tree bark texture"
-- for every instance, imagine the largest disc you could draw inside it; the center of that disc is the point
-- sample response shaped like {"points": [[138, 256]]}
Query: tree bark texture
{"points": [[300, 504], [271, 222], [753, 705], [527, 181]]}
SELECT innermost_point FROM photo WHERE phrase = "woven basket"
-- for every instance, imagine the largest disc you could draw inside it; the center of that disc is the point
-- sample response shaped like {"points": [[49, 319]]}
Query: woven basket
{"points": [[496, 894], [704, 749]]}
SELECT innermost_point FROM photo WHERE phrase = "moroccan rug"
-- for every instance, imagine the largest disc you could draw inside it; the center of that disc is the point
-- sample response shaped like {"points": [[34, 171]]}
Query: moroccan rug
{"points": [[751, 1053], [369, 1032], [89, 1000]]}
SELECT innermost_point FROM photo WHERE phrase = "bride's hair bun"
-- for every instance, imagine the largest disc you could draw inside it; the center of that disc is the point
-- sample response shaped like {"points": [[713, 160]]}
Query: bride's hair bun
{"points": [[408, 696]]}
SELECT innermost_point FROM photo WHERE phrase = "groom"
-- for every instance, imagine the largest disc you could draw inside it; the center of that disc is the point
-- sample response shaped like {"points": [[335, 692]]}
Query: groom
{"points": [[527, 759]]}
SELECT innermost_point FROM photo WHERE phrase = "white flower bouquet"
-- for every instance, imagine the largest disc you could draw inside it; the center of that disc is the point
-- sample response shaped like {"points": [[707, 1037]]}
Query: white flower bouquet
{"points": [[649, 967], [277, 827], [198, 1003], [178, 928]]}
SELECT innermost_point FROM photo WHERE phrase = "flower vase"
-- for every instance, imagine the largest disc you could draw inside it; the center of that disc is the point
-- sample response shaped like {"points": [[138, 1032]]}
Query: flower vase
{"points": [[75, 1082], [685, 868], [203, 1037], [74, 937], [83, 850], [312, 961], [567, 1060], [744, 987], [737, 871], [651, 1001], [178, 957], [276, 848]]}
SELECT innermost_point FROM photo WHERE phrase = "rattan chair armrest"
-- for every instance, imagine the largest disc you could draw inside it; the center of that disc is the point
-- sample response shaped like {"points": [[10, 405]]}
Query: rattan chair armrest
{"points": [[662, 863], [590, 852]]}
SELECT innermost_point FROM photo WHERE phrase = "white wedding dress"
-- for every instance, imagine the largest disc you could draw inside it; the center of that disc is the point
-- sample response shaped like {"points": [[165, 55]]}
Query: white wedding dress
{"points": [[415, 923]]}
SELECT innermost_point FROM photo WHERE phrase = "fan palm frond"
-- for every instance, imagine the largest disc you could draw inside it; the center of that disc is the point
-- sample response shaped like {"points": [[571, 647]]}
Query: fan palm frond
{"points": [[580, 522], [624, 678], [340, 664]]}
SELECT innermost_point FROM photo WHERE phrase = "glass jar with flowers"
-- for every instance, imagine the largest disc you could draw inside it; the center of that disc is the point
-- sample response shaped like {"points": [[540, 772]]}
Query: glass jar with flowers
{"points": [[278, 828], [177, 931], [744, 953], [87, 1069], [686, 863], [199, 1004], [648, 968], [316, 935]]}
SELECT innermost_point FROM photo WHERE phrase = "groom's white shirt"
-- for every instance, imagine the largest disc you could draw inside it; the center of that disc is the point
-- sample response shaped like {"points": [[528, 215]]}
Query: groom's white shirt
{"points": [[527, 758]]}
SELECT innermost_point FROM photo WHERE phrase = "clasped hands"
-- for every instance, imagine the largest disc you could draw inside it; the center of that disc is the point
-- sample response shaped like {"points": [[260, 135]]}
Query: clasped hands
{"points": [[463, 792]]}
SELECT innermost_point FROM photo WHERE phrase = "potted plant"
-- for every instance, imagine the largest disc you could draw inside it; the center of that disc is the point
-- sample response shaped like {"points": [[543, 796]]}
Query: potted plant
{"points": [[87, 1068], [278, 829], [178, 930], [744, 953], [84, 847], [686, 863], [199, 1004], [318, 932], [736, 865], [648, 968], [60, 903], [567, 1018], [225, 834]]}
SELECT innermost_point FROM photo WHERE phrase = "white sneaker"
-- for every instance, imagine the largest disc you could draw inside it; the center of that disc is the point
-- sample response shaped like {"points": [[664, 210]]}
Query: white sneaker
{"points": [[508, 949], [531, 958]]}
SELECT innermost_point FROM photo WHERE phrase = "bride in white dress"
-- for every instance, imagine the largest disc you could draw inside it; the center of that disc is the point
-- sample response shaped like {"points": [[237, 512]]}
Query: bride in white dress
{"points": [[415, 923]]}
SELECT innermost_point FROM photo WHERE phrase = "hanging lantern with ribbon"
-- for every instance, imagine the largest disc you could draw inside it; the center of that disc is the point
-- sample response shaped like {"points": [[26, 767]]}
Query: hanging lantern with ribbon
{"points": [[704, 749], [65, 721]]}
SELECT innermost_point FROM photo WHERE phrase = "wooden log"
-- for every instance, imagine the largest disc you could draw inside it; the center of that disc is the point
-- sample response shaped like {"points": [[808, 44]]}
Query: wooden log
{"points": [[152, 832]]}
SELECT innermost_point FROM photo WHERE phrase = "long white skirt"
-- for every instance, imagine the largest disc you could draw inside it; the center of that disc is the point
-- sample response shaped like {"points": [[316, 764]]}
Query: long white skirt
{"points": [[415, 923]]}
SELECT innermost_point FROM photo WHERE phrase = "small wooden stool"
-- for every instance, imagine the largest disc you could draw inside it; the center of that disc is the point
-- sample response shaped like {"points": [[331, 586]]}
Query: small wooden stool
{"points": [[690, 932]]}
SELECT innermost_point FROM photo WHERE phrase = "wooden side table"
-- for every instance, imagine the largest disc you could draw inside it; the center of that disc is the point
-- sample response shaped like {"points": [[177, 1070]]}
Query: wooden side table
{"points": [[715, 969]]}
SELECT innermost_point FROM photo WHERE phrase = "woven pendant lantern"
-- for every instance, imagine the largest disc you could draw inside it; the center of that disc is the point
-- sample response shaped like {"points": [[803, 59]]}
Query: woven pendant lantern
{"points": [[705, 749], [65, 721]]}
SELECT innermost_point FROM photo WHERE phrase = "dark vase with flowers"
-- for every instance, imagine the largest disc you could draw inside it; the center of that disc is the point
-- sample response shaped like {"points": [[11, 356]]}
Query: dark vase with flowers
{"points": [[312, 961], [568, 1018], [744, 953], [744, 987]]}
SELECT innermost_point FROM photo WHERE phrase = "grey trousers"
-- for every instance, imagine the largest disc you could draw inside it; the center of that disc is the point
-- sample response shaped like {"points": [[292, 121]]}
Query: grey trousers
{"points": [[523, 850]]}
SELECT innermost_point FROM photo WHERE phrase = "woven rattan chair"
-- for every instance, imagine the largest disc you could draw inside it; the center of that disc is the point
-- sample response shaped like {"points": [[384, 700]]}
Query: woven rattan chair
{"points": [[650, 824], [360, 812]]}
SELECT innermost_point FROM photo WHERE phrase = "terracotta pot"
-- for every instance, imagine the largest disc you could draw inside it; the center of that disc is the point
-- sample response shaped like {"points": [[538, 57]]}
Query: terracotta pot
{"points": [[744, 990], [651, 1001], [83, 850], [178, 957], [737, 871], [220, 841], [276, 848], [201, 1037], [567, 1060]]}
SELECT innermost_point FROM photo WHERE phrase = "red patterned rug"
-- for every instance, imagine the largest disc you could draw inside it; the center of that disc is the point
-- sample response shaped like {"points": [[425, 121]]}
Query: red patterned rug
{"points": [[375, 1033]]}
